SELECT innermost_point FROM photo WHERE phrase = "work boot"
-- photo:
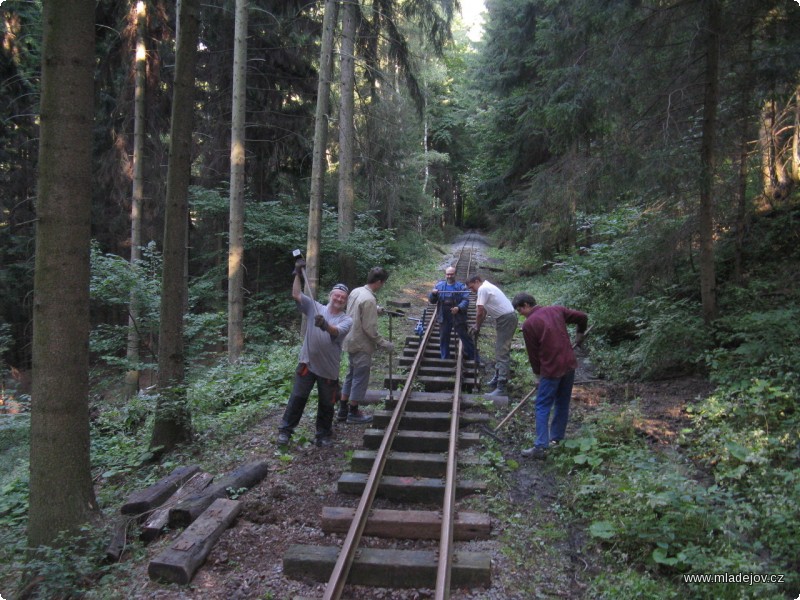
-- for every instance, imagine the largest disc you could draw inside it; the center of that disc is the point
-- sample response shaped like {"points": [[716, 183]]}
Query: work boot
{"points": [[536, 452], [492, 382], [341, 414], [500, 390], [356, 417]]}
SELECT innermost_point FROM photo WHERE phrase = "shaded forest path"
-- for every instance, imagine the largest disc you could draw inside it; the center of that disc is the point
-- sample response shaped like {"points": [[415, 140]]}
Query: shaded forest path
{"points": [[537, 546]]}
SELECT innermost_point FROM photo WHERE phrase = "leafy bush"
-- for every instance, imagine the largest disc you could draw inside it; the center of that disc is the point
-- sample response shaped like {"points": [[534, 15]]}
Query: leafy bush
{"points": [[762, 343], [653, 515], [114, 281], [71, 568], [671, 337], [226, 398], [747, 435]]}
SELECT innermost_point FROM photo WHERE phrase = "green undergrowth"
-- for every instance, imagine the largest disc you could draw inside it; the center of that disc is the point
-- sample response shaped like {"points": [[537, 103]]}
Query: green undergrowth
{"points": [[224, 400], [725, 500], [724, 504]]}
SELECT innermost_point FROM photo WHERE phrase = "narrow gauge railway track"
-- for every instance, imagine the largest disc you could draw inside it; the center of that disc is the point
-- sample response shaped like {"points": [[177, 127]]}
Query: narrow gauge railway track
{"points": [[410, 459]]}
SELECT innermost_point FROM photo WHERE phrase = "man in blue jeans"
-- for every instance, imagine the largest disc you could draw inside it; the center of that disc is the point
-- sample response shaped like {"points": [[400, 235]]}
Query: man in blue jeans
{"points": [[553, 360]]}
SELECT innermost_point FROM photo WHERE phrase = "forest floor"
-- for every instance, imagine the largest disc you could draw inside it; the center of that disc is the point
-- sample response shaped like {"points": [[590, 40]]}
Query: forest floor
{"points": [[286, 507]]}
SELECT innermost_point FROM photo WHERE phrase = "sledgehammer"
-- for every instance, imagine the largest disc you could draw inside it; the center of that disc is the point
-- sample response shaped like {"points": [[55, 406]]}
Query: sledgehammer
{"points": [[299, 256]]}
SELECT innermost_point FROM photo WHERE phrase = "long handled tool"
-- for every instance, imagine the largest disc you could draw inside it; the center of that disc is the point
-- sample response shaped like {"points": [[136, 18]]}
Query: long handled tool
{"points": [[393, 313], [477, 359], [517, 407], [310, 292], [535, 387]]}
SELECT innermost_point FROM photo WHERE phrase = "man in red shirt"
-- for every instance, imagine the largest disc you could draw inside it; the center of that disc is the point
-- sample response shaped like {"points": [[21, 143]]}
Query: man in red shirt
{"points": [[553, 360]]}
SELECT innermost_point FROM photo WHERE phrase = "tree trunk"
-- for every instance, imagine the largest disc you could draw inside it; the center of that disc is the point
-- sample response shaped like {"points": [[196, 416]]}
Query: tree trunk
{"points": [[707, 271], [236, 226], [347, 139], [320, 142], [745, 102], [796, 138], [137, 196], [61, 492], [172, 424]]}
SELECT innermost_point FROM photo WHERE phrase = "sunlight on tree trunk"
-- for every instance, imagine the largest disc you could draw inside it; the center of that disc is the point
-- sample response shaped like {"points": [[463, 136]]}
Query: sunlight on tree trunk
{"points": [[140, 73], [347, 139], [236, 227], [320, 142]]}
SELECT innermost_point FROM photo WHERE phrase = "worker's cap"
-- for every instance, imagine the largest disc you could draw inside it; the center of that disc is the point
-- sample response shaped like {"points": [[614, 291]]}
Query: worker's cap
{"points": [[341, 287]]}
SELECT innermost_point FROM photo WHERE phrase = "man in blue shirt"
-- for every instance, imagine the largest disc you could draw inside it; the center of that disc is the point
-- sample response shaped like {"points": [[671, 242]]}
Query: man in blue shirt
{"points": [[453, 299]]}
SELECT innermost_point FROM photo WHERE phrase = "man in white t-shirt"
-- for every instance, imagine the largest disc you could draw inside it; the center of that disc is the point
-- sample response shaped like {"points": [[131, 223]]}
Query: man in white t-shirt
{"points": [[494, 303]]}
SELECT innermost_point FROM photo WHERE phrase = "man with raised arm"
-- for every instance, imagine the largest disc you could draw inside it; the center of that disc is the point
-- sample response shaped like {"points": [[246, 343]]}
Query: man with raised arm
{"points": [[320, 359]]}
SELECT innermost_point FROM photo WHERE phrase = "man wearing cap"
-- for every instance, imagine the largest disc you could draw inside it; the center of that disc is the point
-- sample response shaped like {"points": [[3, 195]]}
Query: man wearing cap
{"points": [[361, 343], [320, 358], [453, 299]]}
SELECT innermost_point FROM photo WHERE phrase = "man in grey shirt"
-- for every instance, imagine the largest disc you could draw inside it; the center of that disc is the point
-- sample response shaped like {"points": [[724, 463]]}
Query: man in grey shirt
{"points": [[319, 361]]}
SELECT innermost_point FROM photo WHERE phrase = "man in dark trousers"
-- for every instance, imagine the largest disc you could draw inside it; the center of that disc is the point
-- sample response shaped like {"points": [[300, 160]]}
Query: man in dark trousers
{"points": [[553, 360], [320, 357], [453, 299]]}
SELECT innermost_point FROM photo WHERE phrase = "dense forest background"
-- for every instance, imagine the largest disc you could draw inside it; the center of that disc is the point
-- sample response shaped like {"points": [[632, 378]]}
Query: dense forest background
{"points": [[638, 159]]}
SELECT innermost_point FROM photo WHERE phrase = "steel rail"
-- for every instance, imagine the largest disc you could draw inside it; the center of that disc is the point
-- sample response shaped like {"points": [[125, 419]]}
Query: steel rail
{"points": [[444, 568], [344, 562]]}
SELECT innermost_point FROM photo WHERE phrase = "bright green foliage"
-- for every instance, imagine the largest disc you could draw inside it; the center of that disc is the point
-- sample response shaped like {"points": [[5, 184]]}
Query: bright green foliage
{"points": [[225, 398], [651, 512], [113, 281], [762, 343]]}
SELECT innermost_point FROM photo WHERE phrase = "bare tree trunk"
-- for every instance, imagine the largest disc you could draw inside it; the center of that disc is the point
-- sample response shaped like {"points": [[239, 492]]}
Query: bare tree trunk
{"points": [[741, 214], [61, 493], [768, 150], [137, 196], [741, 192], [708, 285], [173, 424], [796, 138], [320, 142], [347, 138], [236, 226]]}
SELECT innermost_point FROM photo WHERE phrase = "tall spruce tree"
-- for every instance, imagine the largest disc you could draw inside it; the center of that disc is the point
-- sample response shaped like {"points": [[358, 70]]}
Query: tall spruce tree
{"points": [[61, 492]]}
